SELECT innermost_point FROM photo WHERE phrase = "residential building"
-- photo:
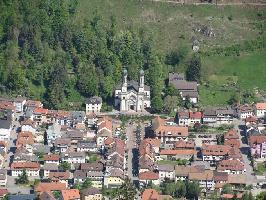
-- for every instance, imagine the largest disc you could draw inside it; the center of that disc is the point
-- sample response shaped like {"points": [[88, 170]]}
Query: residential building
{"points": [[93, 105], [181, 144], [131, 95], [97, 178], [104, 130], [48, 168], [60, 176], [147, 177], [260, 110], [73, 157], [174, 154], [5, 124], [188, 118], [168, 133], [231, 167], [187, 89], [19, 103], [166, 171], [52, 133], [31, 168], [182, 171], [62, 144], [245, 111], [49, 187], [151, 194], [70, 194], [51, 158], [114, 178], [3, 177], [258, 146], [91, 194], [28, 125], [39, 115], [219, 115], [22, 197], [205, 179], [214, 153], [87, 146]]}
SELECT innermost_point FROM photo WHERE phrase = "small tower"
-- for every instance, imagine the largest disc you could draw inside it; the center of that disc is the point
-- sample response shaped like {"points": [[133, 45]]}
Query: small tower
{"points": [[141, 81], [124, 86]]}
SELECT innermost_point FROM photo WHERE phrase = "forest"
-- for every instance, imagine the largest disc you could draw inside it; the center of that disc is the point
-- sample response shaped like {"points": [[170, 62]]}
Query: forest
{"points": [[46, 55]]}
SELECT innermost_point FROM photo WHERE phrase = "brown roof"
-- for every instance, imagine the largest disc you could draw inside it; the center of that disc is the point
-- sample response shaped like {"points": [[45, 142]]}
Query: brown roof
{"points": [[53, 186], [232, 143], [233, 165], [216, 150], [181, 144], [148, 175], [220, 176], [184, 170], [195, 115], [237, 178], [59, 175], [162, 129], [251, 119], [70, 194], [150, 194], [245, 108], [231, 134], [206, 175], [24, 138], [90, 191], [257, 139], [91, 166], [25, 165], [261, 106], [177, 152], [154, 142], [51, 157], [28, 122], [33, 103]]}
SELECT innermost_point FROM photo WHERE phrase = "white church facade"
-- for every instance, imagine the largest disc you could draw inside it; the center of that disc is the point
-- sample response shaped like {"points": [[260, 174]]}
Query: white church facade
{"points": [[132, 95]]}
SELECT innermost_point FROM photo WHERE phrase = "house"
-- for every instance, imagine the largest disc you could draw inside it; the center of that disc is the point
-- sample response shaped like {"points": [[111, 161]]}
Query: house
{"points": [[260, 109], [181, 144], [3, 146], [48, 168], [92, 167], [187, 89], [23, 155], [39, 115], [31, 168], [51, 158], [28, 125], [60, 176], [214, 153], [151, 194], [91, 120], [96, 177], [33, 104], [231, 138], [46, 196], [232, 143], [87, 146], [79, 176], [205, 179], [114, 178], [237, 179], [166, 171], [49, 187], [73, 157], [3, 177], [170, 154], [52, 133], [245, 111], [23, 139], [19, 103], [220, 179], [168, 133], [188, 118], [146, 164], [132, 95], [3, 193], [147, 177], [104, 130], [77, 119], [257, 145], [5, 124], [231, 167], [182, 171], [70, 194], [219, 115], [91, 194], [93, 105], [62, 144]]}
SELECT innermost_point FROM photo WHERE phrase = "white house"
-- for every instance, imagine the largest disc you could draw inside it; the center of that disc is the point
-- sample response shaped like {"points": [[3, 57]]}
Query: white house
{"points": [[93, 105], [5, 124], [28, 126], [260, 110], [19, 103], [245, 111], [31, 168], [166, 171], [74, 157]]}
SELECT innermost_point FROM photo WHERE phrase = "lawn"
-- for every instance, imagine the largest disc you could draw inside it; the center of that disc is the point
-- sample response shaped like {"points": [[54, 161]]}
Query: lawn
{"points": [[172, 162], [261, 169], [171, 25]]}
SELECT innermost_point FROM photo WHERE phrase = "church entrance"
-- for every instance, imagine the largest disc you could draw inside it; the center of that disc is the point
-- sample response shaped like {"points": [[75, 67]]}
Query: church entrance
{"points": [[132, 107], [132, 103]]}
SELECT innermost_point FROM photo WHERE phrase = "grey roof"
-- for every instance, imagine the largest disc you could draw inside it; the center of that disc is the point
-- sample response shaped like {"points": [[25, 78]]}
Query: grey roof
{"points": [[94, 100], [166, 167], [22, 197], [73, 154], [132, 85], [225, 111], [74, 135], [46, 196], [86, 144], [91, 166], [50, 166], [176, 77], [79, 174], [29, 112], [190, 94], [54, 129], [6, 119], [94, 174], [204, 164], [41, 148], [77, 116], [21, 155], [209, 112], [62, 141], [90, 191], [3, 174]]}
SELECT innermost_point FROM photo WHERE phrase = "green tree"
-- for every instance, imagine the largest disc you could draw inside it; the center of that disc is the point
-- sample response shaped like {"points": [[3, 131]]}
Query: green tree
{"points": [[126, 191], [171, 103], [86, 184], [64, 166], [227, 189], [23, 178], [261, 196], [193, 72], [57, 194], [193, 190], [181, 189]]}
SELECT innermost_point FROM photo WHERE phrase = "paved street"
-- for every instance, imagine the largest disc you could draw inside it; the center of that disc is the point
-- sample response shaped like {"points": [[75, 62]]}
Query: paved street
{"points": [[251, 179]]}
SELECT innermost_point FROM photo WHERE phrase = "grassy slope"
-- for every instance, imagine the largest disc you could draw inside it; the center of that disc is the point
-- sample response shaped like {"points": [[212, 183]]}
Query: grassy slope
{"points": [[172, 27]]}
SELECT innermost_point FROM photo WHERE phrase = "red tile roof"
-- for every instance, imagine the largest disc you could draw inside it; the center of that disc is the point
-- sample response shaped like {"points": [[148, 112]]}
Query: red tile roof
{"points": [[232, 143], [216, 150], [24, 138], [150, 194], [25, 165], [71, 194], [231, 134], [181, 144], [177, 152], [59, 175], [32, 103], [257, 139], [41, 111], [3, 192], [51, 157], [261, 106], [195, 115], [7, 106], [233, 165], [148, 175], [53, 186]]}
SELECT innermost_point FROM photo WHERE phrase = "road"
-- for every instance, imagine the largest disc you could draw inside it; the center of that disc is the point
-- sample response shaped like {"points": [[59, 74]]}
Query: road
{"points": [[244, 147]]}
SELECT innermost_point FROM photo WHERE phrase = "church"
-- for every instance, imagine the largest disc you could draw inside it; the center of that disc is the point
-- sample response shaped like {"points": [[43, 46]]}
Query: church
{"points": [[132, 95]]}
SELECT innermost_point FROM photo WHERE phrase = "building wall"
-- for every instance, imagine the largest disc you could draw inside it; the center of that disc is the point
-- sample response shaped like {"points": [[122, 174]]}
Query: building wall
{"points": [[260, 113], [16, 173]]}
